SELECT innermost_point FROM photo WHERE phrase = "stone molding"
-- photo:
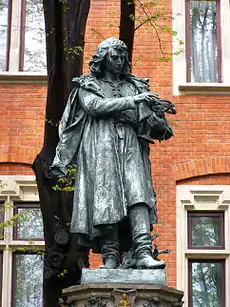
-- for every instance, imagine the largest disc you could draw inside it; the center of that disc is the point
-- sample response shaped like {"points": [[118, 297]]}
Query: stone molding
{"points": [[205, 89], [23, 188], [121, 295]]}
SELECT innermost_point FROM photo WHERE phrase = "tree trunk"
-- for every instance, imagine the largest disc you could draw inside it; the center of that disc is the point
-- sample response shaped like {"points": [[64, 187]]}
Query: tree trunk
{"points": [[127, 24], [65, 30]]}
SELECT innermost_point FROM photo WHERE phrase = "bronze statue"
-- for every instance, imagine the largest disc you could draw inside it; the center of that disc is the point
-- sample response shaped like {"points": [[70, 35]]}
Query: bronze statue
{"points": [[110, 118]]}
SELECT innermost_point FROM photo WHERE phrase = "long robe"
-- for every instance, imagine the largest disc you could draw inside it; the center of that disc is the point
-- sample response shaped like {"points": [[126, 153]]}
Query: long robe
{"points": [[99, 132]]}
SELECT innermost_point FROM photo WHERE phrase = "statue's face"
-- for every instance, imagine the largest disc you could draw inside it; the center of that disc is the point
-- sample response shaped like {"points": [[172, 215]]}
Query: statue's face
{"points": [[114, 61]]}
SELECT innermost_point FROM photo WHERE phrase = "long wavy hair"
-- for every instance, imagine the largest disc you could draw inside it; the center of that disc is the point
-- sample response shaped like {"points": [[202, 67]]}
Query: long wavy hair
{"points": [[97, 64]]}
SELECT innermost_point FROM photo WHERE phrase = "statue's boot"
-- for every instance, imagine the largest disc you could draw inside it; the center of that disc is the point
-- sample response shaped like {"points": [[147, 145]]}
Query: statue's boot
{"points": [[110, 248], [140, 227]]}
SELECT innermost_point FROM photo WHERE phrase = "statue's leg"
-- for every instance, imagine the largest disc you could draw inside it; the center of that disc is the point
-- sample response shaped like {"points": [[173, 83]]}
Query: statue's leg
{"points": [[140, 227], [110, 248]]}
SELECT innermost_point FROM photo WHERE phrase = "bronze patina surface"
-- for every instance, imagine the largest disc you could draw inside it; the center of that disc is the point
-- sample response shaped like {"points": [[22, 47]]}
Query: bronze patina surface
{"points": [[110, 118]]}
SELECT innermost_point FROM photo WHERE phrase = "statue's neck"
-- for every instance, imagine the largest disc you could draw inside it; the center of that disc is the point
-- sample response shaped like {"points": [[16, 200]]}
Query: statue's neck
{"points": [[111, 77]]}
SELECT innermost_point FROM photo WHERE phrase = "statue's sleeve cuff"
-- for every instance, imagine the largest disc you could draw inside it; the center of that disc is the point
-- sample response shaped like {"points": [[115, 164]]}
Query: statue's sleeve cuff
{"points": [[58, 170], [130, 102]]}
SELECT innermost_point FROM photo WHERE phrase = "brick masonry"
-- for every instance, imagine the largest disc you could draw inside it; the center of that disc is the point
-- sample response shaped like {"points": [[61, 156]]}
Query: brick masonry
{"points": [[199, 153]]}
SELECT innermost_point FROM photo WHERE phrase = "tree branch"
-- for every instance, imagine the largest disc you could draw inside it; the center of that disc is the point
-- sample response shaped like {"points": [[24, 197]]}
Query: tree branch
{"points": [[153, 24]]}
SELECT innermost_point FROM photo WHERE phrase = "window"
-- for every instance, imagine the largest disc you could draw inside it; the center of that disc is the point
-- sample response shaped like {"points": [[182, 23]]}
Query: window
{"points": [[203, 252], [4, 6], [26, 35], [206, 230], [22, 245], [32, 48], [206, 283], [27, 280], [203, 49], [205, 278], [203, 26], [30, 224]]}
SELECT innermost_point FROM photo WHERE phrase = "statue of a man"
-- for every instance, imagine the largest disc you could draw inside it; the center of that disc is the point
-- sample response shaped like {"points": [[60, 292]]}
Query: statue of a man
{"points": [[103, 131]]}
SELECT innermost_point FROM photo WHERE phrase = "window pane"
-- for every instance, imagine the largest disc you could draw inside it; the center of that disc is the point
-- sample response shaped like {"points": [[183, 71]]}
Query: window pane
{"points": [[207, 284], [35, 48], [28, 279], [203, 31], [3, 33], [206, 231], [30, 224]]}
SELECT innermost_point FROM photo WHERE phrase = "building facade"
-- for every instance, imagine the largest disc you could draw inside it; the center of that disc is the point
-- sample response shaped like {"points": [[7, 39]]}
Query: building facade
{"points": [[191, 171]]}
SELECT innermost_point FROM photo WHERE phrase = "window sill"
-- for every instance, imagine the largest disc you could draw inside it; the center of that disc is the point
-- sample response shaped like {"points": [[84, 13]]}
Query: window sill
{"points": [[207, 254], [22, 78], [205, 89]]}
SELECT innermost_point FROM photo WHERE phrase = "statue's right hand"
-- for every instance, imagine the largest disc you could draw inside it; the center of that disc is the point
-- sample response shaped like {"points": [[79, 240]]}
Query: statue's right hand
{"points": [[143, 97]]}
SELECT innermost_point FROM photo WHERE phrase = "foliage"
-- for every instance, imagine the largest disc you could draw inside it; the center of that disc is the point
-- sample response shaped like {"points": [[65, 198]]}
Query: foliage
{"points": [[8, 206], [62, 274], [52, 123], [72, 52], [13, 220], [66, 184], [152, 14]]}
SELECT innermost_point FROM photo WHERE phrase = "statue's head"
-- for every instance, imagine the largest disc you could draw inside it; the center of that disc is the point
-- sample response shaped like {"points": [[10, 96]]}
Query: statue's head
{"points": [[106, 51]]}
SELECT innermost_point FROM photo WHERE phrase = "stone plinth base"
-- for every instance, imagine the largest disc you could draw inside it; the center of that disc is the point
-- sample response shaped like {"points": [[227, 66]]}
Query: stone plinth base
{"points": [[121, 295], [128, 276]]}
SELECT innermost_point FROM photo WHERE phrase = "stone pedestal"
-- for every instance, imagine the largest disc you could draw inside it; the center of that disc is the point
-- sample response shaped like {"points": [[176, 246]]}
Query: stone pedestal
{"points": [[137, 291], [121, 295], [126, 276]]}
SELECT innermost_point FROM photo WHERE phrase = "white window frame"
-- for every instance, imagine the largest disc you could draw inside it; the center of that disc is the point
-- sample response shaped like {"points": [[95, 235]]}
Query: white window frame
{"points": [[16, 188], [180, 84], [14, 50], [202, 198]]}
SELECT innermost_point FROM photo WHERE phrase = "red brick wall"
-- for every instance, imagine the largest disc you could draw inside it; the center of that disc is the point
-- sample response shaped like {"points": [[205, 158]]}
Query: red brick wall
{"points": [[198, 153], [21, 126]]}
